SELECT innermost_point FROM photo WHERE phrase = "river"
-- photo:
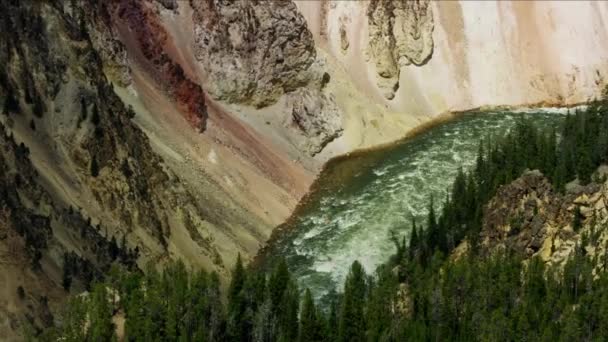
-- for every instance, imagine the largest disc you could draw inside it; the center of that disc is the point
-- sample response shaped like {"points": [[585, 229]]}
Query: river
{"points": [[359, 201]]}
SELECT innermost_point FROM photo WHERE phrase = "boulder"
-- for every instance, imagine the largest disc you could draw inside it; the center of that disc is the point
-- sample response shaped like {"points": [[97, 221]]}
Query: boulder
{"points": [[313, 118]]}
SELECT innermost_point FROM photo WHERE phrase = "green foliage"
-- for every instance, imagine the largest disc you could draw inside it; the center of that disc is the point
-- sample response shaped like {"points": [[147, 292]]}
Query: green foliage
{"points": [[311, 323], [474, 298], [73, 329], [418, 295], [100, 312], [239, 325], [352, 317]]}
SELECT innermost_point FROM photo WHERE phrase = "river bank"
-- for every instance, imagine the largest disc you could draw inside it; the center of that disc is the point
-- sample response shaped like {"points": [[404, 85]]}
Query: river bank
{"points": [[359, 198]]}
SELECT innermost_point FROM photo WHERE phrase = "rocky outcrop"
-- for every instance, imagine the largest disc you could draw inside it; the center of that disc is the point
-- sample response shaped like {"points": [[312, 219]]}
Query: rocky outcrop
{"points": [[252, 51], [482, 54], [400, 34], [527, 217], [255, 52], [517, 217], [315, 120], [96, 23]]}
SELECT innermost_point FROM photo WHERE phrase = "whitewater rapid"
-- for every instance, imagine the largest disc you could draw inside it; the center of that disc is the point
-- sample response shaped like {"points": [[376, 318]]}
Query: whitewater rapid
{"points": [[354, 220]]}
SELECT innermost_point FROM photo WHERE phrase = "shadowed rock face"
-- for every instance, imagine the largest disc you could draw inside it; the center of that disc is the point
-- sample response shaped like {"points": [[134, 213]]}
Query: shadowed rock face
{"points": [[252, 51], [400, 33]]}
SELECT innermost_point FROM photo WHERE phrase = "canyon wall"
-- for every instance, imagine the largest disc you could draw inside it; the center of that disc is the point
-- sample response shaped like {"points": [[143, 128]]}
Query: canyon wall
{"points": [[466, 54], [285, 86], [245, 101], [190, 129]]}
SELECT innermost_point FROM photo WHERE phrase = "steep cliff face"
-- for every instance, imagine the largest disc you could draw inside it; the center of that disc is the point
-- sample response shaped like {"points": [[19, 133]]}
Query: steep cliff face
{"points": [[400, 33], [192, 129], [78, 175], [457, 55], [233, 107], [252, 52], [284, 86]]}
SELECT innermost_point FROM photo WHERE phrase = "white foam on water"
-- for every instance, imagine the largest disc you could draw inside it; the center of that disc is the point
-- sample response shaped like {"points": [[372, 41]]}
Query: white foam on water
{"points": [[356, 224], [550, 110], [380, 172]]}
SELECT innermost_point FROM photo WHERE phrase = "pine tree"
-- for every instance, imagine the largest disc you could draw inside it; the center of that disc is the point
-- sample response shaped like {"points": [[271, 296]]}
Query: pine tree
{"points": [[288, 314], [95, 119], [214, 310], [352, 319], [470, 198], [310, 328], [585, 166], [74, 325], [175, 285], [264, 325], [413, 246], [602, 145], [434, 238], [551, 153], [238, 327], [113, 248], [559, 176], [577, 220], [333, 320], [67, 272], [136, 313], [480, 161], [100, 316], [277, 284], [238, 280]]}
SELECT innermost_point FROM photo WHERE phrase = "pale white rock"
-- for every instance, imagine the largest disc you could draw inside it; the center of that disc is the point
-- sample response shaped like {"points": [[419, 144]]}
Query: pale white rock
{"points": [[483, 53]]}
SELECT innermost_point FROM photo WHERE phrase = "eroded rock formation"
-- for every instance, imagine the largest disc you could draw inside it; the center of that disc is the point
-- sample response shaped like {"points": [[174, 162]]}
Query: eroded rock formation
{"points": [[252, 51], [108, 98], [400, 34], [315, 119], [529, 218]]}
